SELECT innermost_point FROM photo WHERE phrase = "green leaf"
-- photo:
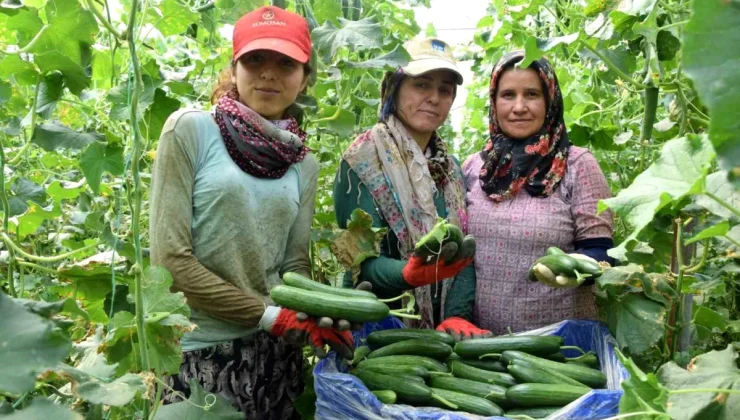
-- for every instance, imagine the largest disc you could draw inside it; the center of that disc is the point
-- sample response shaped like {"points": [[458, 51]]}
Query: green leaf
{"points": [[57, 136], [20, 332], [24, 191], [356, 35], [44, 409], [635, 321], [50, 91], [70, 34], [99, 158], [117, 392], [714, 23], [120, 101], [713, 370], [343, 124], [75, 77], [173, 17], [157, 296], [396, 58], [720, 229], [193, 409], [48, 309], [20, 70], [535, 48], [668, 46], [642, 391], [34, 217], [680, 170], [6, 90], [327, 10], [708, 321], [68, 191], [154, 118], [600, 27], [718, 184]]}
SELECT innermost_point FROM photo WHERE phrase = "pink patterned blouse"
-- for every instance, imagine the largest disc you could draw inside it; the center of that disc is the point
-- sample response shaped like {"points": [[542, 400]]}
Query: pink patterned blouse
{"points": [[512, 234]]}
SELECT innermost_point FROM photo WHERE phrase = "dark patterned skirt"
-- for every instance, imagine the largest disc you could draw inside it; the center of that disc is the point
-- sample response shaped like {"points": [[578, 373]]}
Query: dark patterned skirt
{"points": [[261, 376]]}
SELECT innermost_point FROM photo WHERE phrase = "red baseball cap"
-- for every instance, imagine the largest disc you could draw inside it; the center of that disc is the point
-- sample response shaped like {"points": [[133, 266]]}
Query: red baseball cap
{"points": [[272, 28]]}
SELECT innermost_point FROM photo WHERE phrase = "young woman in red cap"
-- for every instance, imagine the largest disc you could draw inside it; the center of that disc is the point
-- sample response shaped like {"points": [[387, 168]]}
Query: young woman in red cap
{"points": [[401, 173], [232, 205]]}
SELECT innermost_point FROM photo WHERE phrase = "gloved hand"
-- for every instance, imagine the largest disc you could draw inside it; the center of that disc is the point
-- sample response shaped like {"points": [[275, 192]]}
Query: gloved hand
{"points": [[282, 322], [461, 329], [340, 324], [452, 259]]}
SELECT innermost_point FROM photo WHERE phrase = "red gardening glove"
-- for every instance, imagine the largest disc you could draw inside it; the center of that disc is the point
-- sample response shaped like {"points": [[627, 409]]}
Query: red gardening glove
{"points": [[417, 273], [287, 325], [461, 329]]}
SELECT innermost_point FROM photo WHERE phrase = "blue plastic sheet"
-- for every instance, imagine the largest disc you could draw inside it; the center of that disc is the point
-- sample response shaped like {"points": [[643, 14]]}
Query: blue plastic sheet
{"points": [[341, 396]]}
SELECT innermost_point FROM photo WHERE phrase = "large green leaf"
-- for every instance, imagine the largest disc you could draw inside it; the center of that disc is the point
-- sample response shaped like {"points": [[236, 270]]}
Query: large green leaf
{"points": [[44, 409], [356, 35], [13, 66], [635, 321], [718, 185], [48, 309], [50, 91], [120, 98], [173, 17], [712, 370], [57, 136], [75, 77], [707, 322], [391, 60], [679, 171], [343, 124], [117, 392], [71, 31], [157, 296], [29, 345], [193, 409], [642, 391], [99, 158], [29, 222], [711, 59], [24, 191]]}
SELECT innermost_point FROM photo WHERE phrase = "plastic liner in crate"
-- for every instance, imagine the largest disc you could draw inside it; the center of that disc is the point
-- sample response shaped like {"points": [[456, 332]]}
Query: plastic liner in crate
{"points": [[341, 396]]}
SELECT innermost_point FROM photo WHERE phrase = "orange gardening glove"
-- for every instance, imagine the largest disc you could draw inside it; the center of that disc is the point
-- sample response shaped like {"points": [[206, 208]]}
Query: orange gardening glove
{"points": [[462, 329]]}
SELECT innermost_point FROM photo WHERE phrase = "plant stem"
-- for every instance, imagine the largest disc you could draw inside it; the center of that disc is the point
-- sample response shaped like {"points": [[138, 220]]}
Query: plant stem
{"points": [[206, 7], [671, 25], [6, 219], [404, 315], [31, 44], [106, 23], [639, 413], [700, 264], [38, 268], [31, 257], [696, 390], [136, 204], [678, 314], [723, 203], [613, 67]]}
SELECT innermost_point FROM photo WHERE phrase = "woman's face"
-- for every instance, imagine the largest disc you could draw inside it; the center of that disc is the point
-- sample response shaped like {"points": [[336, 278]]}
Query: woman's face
{"points": [[268, 82], [520, 103], [424, 101]]}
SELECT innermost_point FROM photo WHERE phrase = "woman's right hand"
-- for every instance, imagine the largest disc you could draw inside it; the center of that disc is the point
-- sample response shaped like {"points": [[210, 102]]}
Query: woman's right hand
{"points": [[421, 271], [285, 323]]}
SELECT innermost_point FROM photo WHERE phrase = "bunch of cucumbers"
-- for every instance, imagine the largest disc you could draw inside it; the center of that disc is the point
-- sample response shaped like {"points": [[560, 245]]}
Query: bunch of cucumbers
{"points": [[508, 375], [559, 268]]}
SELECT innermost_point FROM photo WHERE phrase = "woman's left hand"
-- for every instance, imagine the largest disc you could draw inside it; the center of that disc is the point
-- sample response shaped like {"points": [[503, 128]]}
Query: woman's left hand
{"points": [[461, 329]]}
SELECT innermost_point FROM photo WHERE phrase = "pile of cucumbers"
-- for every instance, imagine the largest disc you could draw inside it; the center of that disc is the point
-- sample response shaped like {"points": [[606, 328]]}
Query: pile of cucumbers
{"points": [[562, 268], [507, 375]]}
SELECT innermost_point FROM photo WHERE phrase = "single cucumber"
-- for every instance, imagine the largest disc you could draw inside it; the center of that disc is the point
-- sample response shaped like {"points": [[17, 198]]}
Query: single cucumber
{"points": [[385, 337], [419, 371], [527, 372], [493, 393], [589, 267], [386, 396], [407, 391], [539, 395], [540, 345], [486, 364], [469, 403], [562, 264], [587, 376], [533, 412], [418, 346], [426, 362], [558, 357], [330, 305], [589, 359], [454, 234], [302, 282], [553, 250], [360, 354], [431, 243], [461, 370]]}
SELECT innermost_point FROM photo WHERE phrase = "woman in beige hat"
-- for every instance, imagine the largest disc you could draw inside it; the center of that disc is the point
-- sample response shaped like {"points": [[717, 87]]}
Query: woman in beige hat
{"points": [[401, 173], [232, 205]]}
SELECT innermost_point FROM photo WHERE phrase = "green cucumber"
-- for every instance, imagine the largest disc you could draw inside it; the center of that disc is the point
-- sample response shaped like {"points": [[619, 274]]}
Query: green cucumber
{"points": [[330, 305], [400, 370], [561, 264], [589, 359], [461, 370], [469, 403], [587, 376], [431, 243], [406, 391], [589, 267], [540, 345], [553, 250], [543, 395], [493, 393], [485, 364], [359, 355], [533, 412], [385, 337], [558, 357], [426, 362], [419, 347], [527, 372], [386, 396], [454, 234], [301, 282]]}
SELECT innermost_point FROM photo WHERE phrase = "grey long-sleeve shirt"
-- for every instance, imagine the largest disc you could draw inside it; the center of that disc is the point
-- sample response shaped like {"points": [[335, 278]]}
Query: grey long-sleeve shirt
{"points": [[226, 236]]}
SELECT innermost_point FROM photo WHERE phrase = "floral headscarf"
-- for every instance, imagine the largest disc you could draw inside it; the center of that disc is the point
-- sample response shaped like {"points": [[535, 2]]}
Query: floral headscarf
{"points": [[537, 163]]}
